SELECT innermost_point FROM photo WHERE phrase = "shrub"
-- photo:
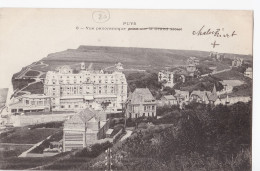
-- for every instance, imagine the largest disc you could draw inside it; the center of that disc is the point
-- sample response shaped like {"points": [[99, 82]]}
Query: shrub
{"points": [[95, 150]]}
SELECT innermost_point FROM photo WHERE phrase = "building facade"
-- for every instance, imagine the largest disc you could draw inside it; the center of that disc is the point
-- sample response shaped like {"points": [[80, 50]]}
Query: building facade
{"points": [[88, 88], [141, 103], [84, 129], [193, 61], [237, 62], [31, 103], [166, 78]]}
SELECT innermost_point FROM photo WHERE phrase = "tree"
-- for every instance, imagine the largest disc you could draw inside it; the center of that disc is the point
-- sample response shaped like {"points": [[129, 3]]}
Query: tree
{"points": [[105, 105]]}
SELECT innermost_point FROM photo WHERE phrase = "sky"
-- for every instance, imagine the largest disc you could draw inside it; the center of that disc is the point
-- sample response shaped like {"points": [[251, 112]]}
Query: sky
{"points": [[28, 35]]}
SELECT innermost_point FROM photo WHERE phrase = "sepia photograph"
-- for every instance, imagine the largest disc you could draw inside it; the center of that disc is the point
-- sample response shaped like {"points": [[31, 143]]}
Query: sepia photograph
{"points": [[125, 89]]}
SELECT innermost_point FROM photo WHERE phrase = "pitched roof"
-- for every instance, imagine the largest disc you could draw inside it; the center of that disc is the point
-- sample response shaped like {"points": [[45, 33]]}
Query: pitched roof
{"points": [[232, 83], [201, 94], [141, 95], [169, 97], [181, 93], [87, 114], [213, 95], [82, 117]]}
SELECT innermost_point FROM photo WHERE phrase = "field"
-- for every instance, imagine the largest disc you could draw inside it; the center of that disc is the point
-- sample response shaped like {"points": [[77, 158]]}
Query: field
{"points": [[232, 75], [15, 163], [24, 135], [12, 150]]}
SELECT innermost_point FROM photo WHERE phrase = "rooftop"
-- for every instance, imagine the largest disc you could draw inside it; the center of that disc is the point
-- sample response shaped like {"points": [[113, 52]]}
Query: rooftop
{"points": [[141, 95], [35, 96], [169, 97]]}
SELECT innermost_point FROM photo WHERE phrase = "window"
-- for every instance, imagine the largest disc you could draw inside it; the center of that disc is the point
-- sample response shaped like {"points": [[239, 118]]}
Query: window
{"points": [[152, 107], [143, 114]]}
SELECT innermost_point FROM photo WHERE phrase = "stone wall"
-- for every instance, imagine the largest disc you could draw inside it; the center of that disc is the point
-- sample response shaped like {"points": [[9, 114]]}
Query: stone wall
{"points": [[25, 120]]}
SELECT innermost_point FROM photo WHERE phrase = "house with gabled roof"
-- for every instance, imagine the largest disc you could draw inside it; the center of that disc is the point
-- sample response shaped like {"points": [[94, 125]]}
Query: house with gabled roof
{"points": [[204, 96], [167, 100], [84, 129], [141, 103]]}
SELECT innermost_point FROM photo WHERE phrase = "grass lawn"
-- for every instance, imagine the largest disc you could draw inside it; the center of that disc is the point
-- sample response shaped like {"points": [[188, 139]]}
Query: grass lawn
{"points": [[24, 135], [231, 75], [220, 66], [15, 163], [12, 150], [32, 73], [36, 88]]}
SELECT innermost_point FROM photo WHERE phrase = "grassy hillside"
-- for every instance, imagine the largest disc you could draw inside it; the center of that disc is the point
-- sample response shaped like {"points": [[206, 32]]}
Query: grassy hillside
{"points": [[136, 56]]}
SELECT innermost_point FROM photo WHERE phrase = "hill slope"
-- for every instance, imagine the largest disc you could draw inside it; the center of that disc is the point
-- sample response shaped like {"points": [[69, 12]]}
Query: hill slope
{"points": [[132, 56]]}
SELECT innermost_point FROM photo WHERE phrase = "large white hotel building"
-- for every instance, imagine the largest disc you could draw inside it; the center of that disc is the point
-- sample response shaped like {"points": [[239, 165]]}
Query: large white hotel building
{"points": [[88, 88]]}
